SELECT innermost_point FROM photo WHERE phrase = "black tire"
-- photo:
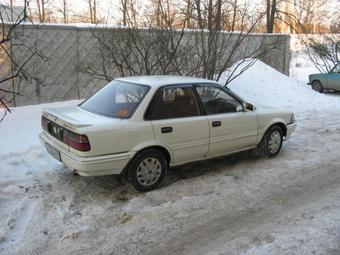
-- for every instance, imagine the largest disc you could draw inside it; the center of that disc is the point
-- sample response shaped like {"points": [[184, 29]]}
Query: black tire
{"points": [[317, 86], [266, 145], [139, 178]]}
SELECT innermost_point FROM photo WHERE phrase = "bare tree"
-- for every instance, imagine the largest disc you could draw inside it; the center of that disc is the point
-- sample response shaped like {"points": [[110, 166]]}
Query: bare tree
{"points": [[124, 9], [199, 14], [188, 13], [41, 9], [64, 11], [92, 4], [133, 51], [61, 7], [12, 70], [234, 15], [324, 51], [129, 12], [169, 49], [309, 13], [296, 16]]}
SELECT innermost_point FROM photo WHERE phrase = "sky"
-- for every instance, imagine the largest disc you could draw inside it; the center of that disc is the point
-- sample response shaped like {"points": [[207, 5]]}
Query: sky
{"points": [[110, 8]]}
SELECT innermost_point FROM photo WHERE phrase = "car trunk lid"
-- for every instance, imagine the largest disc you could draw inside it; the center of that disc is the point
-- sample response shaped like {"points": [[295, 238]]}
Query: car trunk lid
{"points": [[67, 124]]}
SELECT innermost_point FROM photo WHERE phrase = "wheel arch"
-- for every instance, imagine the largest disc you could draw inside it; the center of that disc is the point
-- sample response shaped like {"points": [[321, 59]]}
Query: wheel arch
{"points": [[162, 149], [317, 79], [282, 126], [279, 123], [165, 150]]}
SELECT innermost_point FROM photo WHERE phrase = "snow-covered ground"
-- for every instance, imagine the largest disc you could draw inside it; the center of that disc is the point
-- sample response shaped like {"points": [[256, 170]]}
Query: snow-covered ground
{"points": [[241, 204], [20, 130]]}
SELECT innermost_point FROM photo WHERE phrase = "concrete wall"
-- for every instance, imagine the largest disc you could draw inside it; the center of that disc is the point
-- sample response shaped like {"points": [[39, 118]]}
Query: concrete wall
{"points": [[57, 73]]}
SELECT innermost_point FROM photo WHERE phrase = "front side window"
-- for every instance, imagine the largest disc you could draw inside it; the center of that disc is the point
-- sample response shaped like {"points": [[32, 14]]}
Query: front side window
{"points": [[173, 102], [216, 100], [118, 99]]}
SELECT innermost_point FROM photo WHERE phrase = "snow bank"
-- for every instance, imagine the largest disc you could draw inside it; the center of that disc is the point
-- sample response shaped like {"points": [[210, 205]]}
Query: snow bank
{"points": [[264, 86], [20, 129]]}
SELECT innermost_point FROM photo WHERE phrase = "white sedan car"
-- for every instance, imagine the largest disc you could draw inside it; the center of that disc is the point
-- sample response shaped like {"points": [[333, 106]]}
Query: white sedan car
{"points": [[140, 126]]}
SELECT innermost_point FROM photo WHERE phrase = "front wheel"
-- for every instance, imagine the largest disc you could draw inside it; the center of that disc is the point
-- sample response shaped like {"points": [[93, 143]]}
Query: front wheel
{"points": [[317, 86], [272, 141], [147, 170]]}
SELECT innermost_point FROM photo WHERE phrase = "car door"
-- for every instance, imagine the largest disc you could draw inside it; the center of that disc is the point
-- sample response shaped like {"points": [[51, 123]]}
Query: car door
{"points": [[231, 127], [178, 122], [333, 78]]}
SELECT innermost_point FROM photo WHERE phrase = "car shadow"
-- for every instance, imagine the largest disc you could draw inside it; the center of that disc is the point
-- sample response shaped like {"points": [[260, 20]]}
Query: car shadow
{"points": [[331, 92], [116, 191], [224, 164]]}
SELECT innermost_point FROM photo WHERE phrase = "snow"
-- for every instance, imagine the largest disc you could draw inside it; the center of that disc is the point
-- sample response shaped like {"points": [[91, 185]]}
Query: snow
{"points": [[301, 67], [264, 86], [242, 204], [20, 130]]}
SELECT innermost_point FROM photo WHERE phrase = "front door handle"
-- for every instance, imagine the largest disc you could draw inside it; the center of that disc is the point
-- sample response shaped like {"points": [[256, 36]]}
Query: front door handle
{"points": [[166, 130], [216, 123]]}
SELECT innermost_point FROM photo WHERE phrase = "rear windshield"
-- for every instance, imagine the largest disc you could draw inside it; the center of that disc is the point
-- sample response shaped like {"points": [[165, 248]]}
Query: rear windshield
{"points": [[118, 99]]}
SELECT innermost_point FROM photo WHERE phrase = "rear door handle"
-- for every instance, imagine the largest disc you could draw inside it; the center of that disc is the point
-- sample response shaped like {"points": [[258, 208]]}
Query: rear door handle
{"points": [[216, 123], [166, 130]]}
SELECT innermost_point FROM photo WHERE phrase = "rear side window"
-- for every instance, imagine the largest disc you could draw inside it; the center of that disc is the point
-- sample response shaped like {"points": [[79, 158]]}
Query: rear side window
{"points": [[173, 102], [117, 99]]}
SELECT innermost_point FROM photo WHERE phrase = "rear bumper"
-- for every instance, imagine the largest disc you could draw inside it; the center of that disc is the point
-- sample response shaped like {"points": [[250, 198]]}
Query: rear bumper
{"points": [[290, 129], [89, 166]]}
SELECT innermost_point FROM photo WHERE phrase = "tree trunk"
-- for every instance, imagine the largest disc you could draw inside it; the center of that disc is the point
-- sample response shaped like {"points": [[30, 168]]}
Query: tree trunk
{"points": [[188, 13], [90, 7], [234, 16], [124, 11], [65, 11], [43, 10], [271, 12], [218, 17], [272, 16], [39, 10], [94, 11], [210, 15], [199, 14]]}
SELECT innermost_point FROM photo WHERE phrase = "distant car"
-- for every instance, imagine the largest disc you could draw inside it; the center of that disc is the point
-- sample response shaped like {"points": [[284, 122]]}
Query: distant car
{"points": [[326, 81], [140, 126]]}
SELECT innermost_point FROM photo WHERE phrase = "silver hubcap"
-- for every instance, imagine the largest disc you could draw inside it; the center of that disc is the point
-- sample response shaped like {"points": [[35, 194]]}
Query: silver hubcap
{"points": [[149, 171], [274, 142]]}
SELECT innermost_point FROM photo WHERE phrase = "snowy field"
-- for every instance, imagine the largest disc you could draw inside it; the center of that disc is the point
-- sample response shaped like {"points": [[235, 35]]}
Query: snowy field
{"points": [[241, 204]]}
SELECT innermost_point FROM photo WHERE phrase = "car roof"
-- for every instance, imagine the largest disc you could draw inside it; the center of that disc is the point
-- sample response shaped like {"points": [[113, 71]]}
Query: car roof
{"points": [[162, 80]]}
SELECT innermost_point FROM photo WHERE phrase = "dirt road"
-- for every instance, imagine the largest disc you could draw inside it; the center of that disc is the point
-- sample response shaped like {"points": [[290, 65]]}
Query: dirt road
{"points": [[242, 204]]}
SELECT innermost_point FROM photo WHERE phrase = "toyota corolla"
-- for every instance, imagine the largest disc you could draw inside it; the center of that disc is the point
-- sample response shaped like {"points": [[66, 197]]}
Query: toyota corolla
{"points": [[140, 126]]}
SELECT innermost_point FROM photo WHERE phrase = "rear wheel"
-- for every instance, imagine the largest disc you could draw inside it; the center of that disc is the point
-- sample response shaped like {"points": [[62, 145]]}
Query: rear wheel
{"points": [[317, 86], [272, 141], [147, 170]]}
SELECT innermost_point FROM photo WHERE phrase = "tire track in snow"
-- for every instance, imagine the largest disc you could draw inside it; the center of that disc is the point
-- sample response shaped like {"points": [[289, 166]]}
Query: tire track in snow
{"points": [[13, 228]]}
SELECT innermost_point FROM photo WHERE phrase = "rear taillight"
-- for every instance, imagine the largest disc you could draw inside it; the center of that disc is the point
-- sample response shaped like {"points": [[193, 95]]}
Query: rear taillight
{"points": [[44, 123], [76, 141]]}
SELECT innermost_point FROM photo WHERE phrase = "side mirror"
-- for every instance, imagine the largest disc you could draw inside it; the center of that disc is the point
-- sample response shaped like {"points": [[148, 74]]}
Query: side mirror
{"points": [[249, 107]]}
